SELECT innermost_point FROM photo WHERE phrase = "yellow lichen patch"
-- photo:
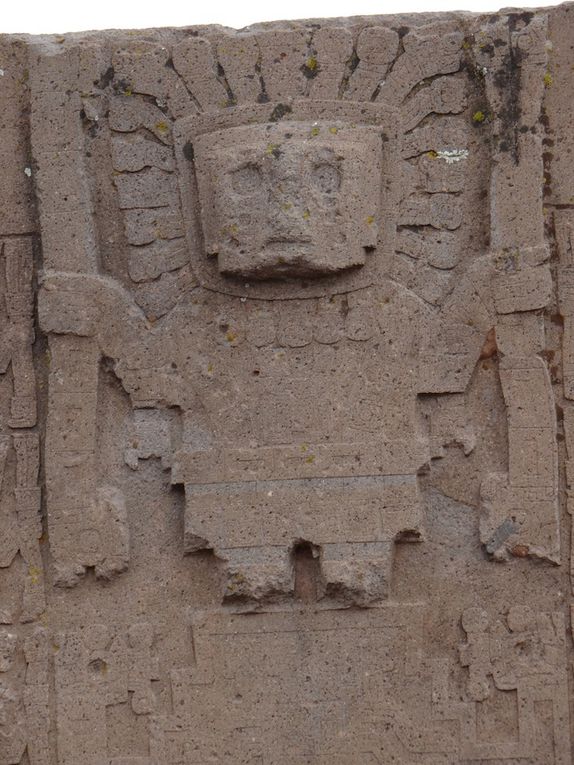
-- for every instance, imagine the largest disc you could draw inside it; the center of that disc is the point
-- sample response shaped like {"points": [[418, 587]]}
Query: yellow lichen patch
{"points": [[311, 63], [272, 150], [547, 80], [306, 214], [478, 116], [370, 219], [287, 206], [334, 130], [432, 154], [35, 574], [230, 336], [315, 131], [304, 447], [162, 127], [310, 459]]}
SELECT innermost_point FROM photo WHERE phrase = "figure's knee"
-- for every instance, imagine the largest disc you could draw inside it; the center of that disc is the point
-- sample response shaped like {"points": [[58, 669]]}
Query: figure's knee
{"points": [[358, 573], [257, 573]]}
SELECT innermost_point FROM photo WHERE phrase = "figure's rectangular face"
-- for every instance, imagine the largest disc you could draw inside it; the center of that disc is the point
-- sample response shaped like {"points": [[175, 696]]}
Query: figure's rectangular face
{"points": [[295, 199]]}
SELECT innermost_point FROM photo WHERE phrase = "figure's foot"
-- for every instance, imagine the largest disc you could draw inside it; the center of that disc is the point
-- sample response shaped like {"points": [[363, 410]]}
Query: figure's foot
{"points": [[358, 573], [257, 573]]}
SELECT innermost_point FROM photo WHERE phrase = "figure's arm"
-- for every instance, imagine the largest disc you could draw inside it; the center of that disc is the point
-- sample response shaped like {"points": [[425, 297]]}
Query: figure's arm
{"points": [[84, 316], [497, 309]]}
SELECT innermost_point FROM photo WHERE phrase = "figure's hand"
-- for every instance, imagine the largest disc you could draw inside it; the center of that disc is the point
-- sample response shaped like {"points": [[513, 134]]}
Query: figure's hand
{"points": [[86, 305]]}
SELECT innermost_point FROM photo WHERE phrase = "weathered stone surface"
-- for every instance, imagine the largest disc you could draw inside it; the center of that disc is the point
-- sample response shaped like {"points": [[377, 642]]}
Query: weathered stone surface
{"points": [[286, 393]]}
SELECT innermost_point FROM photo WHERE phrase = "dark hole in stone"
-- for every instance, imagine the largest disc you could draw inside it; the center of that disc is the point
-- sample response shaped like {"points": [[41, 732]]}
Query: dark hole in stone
{"points": [[306, 568]]}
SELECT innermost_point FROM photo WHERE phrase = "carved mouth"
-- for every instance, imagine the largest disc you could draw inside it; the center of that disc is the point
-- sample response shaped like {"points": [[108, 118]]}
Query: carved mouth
{"points": [[282, 243]]}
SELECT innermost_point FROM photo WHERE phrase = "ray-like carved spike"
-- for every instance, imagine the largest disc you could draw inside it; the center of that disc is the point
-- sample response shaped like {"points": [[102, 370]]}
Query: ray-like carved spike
{"points": [[442, 172], [127, 115], [142, 67], [438, 248], [195, 62], [376, 51], [446, 136], [283, 59], [239, 56], [443, 96], [436, 210], [423, 57], [332, 47]]}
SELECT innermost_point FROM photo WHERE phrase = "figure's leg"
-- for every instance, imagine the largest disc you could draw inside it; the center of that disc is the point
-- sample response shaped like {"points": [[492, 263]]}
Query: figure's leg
{"points": [[257, 573], [357, 571], [28, 506]]}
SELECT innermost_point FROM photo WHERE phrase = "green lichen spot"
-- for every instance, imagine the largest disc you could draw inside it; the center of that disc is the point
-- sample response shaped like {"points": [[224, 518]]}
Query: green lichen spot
{"points": [[162, 127], [311, 63], [478, 117], [315, 131], [307, 214], [548, 80], [272, 150]]}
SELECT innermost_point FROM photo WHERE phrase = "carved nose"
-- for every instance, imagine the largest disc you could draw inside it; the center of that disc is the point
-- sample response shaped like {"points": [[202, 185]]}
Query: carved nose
{"points": [[289, 217]]}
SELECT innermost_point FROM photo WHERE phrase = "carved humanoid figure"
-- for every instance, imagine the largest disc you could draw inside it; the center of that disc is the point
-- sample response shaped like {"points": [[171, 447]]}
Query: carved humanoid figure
{"points": [[297, 356], [296, 364]]}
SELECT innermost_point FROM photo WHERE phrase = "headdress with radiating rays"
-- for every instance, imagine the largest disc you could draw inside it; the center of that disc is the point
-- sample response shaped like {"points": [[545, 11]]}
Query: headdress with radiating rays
{"points": [[414, 81]]}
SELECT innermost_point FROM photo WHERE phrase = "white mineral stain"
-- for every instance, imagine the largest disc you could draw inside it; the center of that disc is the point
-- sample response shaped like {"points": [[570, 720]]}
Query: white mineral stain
{"points": [[452, 155]]}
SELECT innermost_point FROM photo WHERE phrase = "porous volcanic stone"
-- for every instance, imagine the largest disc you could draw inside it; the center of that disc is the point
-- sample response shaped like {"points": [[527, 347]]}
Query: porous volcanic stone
{"points": [[287, 393]]}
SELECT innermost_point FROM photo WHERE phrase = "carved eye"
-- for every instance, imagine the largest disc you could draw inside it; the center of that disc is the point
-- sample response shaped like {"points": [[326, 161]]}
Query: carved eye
{"points": [[246, 180], [327, 178]]}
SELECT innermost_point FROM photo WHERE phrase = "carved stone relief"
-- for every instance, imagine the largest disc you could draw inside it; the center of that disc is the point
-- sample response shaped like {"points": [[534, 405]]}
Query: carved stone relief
{"points": [[286, 383]]}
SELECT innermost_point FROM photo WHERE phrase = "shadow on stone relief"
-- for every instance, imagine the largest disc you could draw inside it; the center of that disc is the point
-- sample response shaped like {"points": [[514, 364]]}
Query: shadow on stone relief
{"points": [[285, 393]]}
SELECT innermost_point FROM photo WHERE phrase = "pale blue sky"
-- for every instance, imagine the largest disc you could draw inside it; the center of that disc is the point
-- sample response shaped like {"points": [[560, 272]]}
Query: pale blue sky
{"points": [[39, 16]]}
